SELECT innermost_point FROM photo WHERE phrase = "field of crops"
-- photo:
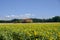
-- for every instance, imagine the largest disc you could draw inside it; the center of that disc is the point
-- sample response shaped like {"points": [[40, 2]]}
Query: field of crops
{"points": [[30, 31]]}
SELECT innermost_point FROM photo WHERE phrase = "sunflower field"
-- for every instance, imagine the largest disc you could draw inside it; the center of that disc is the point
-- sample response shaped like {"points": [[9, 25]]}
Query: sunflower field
{"points": [[29, 31]]}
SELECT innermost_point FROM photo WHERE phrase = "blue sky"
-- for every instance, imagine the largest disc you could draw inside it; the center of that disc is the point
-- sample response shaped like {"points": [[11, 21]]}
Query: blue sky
{"points": [[10, 9]]}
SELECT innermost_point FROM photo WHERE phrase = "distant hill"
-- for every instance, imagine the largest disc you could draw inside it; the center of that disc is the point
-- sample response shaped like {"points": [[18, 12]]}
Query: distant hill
{"points": [[32, 20]]}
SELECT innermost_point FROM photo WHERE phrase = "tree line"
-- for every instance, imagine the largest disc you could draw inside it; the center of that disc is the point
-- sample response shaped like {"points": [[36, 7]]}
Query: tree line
{"points": [[32, 20]]}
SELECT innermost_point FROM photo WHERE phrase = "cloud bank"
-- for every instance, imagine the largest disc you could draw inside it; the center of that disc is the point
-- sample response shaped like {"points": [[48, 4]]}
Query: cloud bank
{"points": [[21, 16]]}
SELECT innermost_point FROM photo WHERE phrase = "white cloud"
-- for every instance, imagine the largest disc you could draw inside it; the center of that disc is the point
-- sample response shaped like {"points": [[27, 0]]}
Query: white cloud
{"points": [[27, 15], [8, 16], [11, 16]]}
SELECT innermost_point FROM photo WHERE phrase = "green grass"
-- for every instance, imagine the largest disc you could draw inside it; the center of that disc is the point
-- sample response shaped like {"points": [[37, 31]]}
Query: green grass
{"points": [[30, 31]]}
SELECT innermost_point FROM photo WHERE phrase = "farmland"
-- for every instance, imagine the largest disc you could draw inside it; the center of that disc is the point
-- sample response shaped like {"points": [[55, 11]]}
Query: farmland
{"points": [[29, 31]]}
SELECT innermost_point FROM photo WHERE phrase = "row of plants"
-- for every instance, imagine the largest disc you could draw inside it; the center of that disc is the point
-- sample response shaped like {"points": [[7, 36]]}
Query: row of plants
{"points": [[32, 31]]}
